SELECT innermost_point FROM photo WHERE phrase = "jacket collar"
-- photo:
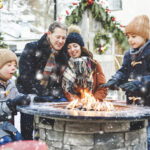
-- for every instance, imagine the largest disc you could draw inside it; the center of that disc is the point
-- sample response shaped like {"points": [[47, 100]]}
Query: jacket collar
{"points": [[43, 43], [142, 51]]}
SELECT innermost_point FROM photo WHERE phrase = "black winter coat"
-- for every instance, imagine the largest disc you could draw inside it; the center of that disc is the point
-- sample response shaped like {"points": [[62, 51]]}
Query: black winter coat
{"points": [[32, 62], [140, 73]]}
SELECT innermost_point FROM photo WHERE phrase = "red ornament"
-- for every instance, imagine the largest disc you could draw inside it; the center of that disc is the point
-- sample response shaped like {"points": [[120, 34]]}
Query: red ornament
{"points": [[122, 26], [100, 49], [74, 3], [108, 10], [113, 19], [67, 12], [59, 18], [90, 2]]}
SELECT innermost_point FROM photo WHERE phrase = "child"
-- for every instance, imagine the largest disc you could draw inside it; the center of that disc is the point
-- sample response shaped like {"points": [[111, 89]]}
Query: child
{"points": [[9, 97], [82, 71], [134, 75]]}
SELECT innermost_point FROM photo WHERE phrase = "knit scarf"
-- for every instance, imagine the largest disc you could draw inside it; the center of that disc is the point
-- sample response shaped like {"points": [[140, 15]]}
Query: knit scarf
{"points": [[50, 70], [137, 52], [77, 74]]}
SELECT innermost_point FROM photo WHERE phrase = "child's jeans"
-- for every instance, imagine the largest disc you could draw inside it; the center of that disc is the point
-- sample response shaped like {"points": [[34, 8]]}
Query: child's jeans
{"points": [[8, 139]]}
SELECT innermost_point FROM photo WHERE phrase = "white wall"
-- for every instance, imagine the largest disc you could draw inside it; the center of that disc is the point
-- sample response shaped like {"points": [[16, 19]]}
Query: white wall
{"points": [[132, 8]]}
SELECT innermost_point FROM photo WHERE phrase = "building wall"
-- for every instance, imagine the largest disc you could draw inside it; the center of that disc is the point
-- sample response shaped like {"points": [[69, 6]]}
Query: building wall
{"points": [[130, 9]]}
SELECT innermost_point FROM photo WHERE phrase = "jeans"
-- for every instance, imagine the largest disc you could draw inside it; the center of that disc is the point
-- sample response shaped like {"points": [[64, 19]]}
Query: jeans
{"points": [[27, 126], [8, 139]]}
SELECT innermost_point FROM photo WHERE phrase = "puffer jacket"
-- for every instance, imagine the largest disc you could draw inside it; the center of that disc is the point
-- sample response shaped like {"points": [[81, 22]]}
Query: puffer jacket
{"points": [[32, 63], [7, 92], [137, 71]]}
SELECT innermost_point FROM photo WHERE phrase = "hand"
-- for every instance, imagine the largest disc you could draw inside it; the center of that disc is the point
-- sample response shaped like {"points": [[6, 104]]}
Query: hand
{"points": [[111, 84], [19, 101]]}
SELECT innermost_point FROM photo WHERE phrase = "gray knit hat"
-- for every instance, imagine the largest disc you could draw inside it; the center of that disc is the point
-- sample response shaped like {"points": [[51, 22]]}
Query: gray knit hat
{"points": [[7, 55]]}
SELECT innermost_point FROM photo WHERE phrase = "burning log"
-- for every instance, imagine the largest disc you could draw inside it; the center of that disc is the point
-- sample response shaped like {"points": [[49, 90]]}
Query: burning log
{"points": [[89, 103]]}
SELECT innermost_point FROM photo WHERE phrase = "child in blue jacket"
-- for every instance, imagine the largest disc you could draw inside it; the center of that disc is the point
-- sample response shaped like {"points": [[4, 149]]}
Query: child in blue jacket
{"points": [[134, 75]]}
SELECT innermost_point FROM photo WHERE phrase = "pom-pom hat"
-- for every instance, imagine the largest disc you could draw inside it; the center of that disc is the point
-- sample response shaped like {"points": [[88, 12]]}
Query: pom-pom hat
{"points": [[74, 36], [139, 26]]}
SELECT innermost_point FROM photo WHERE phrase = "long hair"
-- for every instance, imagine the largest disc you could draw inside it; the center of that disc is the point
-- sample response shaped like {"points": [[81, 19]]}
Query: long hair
{"points": [[86, 52]]}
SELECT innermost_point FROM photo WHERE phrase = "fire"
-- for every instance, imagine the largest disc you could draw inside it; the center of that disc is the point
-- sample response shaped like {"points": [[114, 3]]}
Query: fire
{"points": [[88, 102]]}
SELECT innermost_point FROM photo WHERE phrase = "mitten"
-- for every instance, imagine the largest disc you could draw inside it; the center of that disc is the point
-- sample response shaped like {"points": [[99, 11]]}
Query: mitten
{"points": [[111, 84], [19, 101]]}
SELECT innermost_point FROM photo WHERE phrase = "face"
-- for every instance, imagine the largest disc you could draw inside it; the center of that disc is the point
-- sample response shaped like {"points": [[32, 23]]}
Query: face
{"points": [[8, 70], [74, 50], [136, 41], [57, 38]]}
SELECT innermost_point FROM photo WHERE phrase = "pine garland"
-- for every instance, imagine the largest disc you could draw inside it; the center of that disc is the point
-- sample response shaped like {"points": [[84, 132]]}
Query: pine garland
{"points": [[100, 14]]}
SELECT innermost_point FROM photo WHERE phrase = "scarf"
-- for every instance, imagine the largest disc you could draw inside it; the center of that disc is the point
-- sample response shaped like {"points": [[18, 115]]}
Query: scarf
{"points": [[137, 52], [77, 74], [50, 70]]}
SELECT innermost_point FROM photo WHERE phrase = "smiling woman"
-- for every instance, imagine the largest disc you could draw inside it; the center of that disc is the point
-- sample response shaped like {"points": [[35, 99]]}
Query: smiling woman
{"points": [[83, 72], [74, 50]]}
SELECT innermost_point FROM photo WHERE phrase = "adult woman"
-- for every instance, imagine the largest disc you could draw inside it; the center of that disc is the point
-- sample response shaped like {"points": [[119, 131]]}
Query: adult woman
{"points": [[83, 72]]}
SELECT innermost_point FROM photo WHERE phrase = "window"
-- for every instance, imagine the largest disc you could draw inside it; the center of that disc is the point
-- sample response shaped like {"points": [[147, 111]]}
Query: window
{"points": [[115, 4]]}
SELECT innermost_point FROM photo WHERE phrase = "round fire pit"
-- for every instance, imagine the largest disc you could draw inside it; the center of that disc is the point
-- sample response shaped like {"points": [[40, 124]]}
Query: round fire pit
{"points": [[66, 129]]}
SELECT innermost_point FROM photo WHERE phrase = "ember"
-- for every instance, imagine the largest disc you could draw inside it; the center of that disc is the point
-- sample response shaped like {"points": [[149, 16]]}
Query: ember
{"points": [[89, 103]]}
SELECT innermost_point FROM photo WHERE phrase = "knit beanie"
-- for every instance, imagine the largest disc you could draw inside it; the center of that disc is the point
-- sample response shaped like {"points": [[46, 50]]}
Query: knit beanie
{"points": [[74, 36], [139, 26], [7, 55]]}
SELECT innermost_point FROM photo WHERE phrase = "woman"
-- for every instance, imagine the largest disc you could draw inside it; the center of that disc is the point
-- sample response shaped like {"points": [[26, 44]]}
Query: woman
{"points": [[83, 72]]}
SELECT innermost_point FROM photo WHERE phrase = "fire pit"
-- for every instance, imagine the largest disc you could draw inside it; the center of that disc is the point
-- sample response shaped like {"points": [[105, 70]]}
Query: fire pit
{"points": [[66, 129]]}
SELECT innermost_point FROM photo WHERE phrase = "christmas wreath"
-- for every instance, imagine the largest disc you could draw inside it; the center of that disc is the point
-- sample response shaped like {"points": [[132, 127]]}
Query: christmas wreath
{"points": [[101, 42]]}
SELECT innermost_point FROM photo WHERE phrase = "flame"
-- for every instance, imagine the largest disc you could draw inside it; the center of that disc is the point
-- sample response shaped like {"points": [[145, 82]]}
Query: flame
{"points": [[88, 102]]}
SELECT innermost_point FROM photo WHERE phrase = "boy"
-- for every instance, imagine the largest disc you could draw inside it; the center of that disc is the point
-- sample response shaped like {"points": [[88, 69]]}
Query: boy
{"points": [[9, 97], [134, 75]]}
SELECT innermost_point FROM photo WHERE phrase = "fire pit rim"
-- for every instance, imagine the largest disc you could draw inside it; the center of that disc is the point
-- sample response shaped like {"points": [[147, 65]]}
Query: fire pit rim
{"points": [[66, 114]]}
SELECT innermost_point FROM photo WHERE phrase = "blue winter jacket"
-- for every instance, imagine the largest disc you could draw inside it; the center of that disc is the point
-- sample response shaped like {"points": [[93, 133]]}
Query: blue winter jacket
{"points": [[138, 70]]}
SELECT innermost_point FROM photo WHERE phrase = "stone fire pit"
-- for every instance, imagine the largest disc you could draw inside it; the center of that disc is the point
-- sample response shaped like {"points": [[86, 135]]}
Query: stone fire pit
{"points": [[62, 129]]}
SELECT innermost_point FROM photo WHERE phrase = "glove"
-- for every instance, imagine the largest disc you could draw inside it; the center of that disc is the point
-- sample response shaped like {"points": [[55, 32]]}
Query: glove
{"points": [[111, 84], [131, 87], [40, 99], [19, 101]]}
